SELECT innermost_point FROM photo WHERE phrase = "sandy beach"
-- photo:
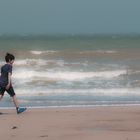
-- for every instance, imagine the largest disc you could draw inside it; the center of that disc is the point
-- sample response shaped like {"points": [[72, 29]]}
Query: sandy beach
{"points": [[98, 123]]}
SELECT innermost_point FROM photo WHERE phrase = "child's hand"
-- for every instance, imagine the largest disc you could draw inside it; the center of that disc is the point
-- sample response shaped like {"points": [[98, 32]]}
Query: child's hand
{"points": [[8, 86]]}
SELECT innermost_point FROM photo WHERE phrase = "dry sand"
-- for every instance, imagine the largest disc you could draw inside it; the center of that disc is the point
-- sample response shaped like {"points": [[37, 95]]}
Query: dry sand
{"points": [[97, 123]]}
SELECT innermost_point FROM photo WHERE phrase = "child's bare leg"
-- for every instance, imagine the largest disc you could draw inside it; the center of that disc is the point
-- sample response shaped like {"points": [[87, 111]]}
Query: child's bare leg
{"points": [[1, 96], [15, 101], [19, 109]]}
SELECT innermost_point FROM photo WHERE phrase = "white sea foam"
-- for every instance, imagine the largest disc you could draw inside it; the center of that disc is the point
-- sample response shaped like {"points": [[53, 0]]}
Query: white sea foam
{"points": [[115, 92], [30, 62], [42, 52], [38, 62], [36, 52], [109, 51], [70, 76], [81, 52], [99, 52]]}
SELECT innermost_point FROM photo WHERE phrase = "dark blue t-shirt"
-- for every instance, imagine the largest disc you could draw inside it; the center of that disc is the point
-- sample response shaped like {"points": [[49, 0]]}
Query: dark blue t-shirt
{"points": [[5, 69]]}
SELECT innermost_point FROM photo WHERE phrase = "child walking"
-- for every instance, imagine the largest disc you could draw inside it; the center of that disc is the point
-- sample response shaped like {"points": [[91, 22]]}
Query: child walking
{"points": [[6, 82]]}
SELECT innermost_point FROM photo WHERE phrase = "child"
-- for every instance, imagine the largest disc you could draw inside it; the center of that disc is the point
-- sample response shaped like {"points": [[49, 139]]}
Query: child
{"points": [[6, 83]]}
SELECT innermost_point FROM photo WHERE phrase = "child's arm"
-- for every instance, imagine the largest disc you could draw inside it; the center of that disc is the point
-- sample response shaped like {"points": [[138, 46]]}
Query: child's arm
{"points": [[9, 81]]}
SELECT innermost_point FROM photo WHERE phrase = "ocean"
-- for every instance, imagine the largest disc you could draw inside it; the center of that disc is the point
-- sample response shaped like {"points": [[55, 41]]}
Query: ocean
{"points": [[73, 70]]}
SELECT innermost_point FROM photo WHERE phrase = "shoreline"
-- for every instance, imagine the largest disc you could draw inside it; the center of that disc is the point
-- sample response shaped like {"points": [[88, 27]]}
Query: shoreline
{"points": [[74, 106]]}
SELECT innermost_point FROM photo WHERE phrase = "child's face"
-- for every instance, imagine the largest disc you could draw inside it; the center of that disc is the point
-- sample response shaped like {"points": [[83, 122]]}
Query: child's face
{"points": [[11, 62]]}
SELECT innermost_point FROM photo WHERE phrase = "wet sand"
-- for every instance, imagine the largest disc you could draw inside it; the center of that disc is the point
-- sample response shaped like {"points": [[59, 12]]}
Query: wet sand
{"points": [[97, 123]]}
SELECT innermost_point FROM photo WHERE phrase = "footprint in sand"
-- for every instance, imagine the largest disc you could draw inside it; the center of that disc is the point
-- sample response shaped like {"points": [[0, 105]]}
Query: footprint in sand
{"points": [[14, 127], [43, 136]]}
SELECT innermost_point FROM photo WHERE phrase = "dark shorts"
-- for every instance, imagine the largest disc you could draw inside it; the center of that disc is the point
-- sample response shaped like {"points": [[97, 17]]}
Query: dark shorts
{"points": [[10, 91]]}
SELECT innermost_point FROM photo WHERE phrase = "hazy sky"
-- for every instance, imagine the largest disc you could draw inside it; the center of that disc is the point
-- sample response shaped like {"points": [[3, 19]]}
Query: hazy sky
{"points": [[69, 16]]}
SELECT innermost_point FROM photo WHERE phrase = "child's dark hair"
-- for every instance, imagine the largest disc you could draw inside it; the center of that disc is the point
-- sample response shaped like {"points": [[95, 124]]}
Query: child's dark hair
{"points": [[9, 57]]}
